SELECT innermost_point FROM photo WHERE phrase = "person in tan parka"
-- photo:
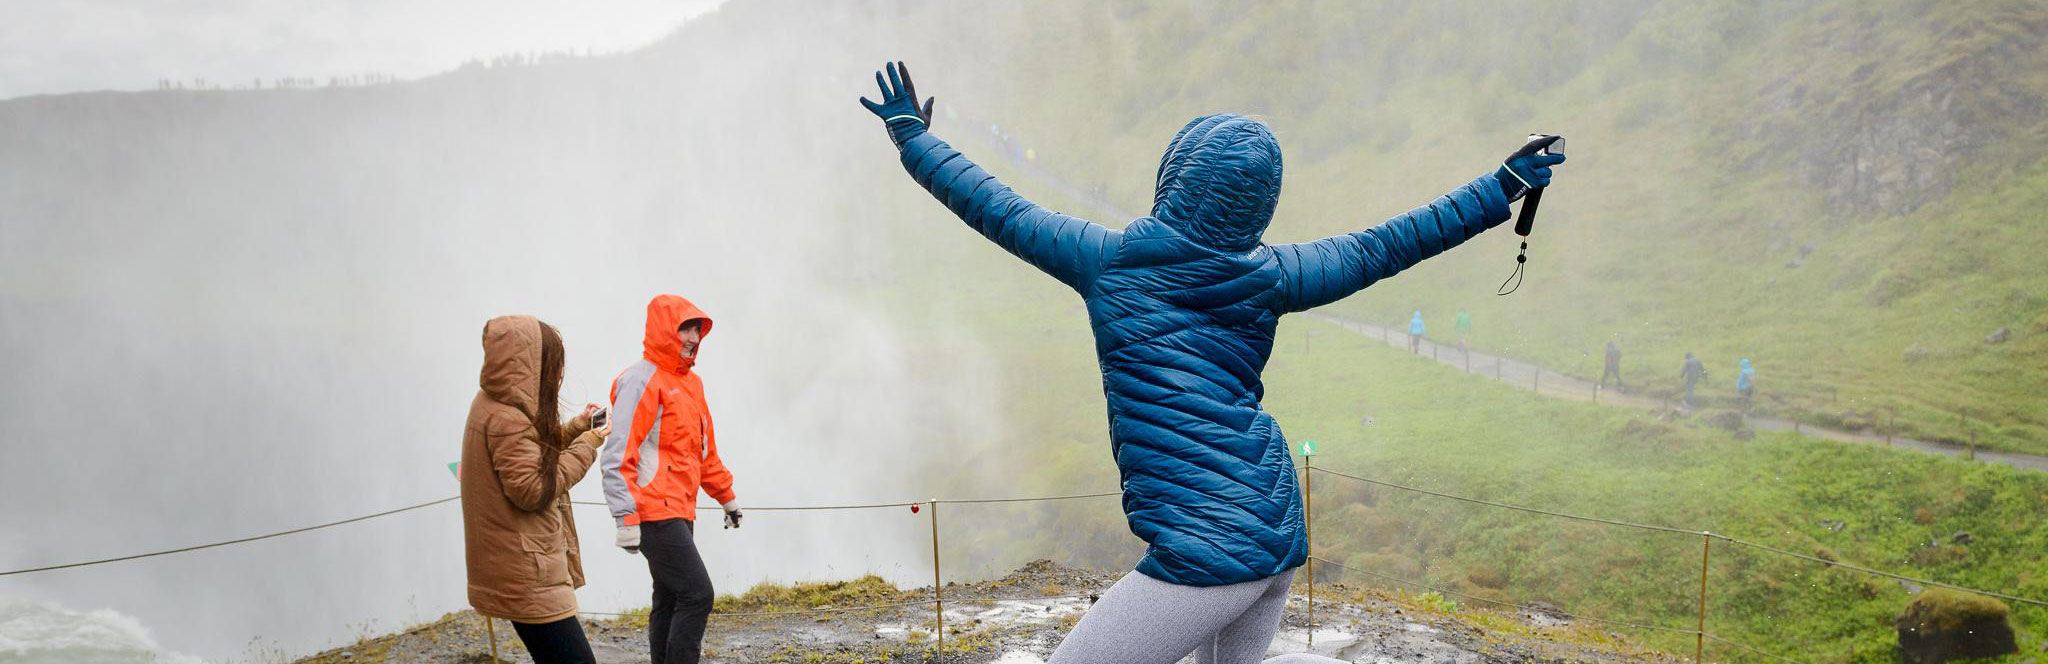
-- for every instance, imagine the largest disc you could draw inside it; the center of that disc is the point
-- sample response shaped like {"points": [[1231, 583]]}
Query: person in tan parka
{"points": [[517, 466]]}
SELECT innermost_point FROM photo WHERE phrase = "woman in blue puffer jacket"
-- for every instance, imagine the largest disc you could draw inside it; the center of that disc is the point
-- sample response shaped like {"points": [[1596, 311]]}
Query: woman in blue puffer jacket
{"points": [[1184, 304]]}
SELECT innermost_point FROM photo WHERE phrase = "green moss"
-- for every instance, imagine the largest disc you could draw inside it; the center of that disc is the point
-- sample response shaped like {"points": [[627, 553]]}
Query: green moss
{"points": [[766, 597], [1947, 610]]}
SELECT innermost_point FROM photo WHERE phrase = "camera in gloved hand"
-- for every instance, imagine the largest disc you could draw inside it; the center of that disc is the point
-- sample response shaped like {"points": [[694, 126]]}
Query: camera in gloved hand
{"points": [[1524, 175]]}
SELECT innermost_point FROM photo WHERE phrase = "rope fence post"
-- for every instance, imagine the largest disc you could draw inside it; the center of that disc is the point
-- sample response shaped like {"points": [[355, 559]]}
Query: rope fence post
{"points": [[1308, 460], [491, 629], [1699, 647], [938, 598]]}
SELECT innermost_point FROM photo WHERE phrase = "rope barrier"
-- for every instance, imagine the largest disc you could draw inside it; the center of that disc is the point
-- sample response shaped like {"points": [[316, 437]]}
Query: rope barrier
{"points": [[294, 531], [1518, 508], [865, 607], [808, 508], [1724, 538], [244, 540], [942, 501], [962, 501], [1866, 570], [1448, 591], [856, 506]]}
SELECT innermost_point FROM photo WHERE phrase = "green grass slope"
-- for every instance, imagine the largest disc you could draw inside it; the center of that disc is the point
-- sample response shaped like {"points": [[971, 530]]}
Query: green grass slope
{"points": [[1843, 192]]}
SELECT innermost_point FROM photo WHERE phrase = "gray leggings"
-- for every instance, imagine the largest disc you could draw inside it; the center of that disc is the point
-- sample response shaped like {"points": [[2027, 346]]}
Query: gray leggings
{"points": [[1142, 620]]}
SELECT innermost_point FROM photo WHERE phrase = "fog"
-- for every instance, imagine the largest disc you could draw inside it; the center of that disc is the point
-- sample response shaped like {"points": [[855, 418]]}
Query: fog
{"points": [[80, 45], [227, 312], [235, 313]]}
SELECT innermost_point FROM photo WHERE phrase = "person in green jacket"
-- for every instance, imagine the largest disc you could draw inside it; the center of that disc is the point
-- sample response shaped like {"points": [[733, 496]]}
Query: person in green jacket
{"points": [[1464, 325]]}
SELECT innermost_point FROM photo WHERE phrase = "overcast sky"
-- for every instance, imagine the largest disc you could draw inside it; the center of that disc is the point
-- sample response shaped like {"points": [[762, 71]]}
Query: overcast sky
{"points": [[57, 46]]}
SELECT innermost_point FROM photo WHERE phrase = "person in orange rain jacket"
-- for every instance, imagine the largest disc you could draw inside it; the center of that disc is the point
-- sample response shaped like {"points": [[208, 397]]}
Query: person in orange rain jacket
{"points": [[662, 448]]}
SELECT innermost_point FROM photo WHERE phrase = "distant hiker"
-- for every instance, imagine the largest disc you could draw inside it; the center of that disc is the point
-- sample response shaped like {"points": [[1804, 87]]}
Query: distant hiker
{"points": [[1692, 372], [1613, 367], [518, 462], [1415, 329], [1464, 327], [663, 450], [1183, 306], [1745, 382]]}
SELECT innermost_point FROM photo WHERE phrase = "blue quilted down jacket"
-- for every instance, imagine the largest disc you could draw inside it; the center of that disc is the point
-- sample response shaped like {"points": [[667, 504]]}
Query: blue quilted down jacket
{"points": [[1184, 304]]}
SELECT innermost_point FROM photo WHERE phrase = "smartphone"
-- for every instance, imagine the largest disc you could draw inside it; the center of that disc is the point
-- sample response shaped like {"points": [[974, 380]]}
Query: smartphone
{"points": [[598, 418]]}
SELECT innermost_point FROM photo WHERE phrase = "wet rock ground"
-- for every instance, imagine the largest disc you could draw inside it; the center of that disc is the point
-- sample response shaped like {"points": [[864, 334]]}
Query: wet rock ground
{"points": [[1017, 619]]}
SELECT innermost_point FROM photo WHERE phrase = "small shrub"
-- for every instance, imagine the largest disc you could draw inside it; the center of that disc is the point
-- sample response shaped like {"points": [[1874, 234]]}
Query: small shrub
{"points": [[1486, 577]]}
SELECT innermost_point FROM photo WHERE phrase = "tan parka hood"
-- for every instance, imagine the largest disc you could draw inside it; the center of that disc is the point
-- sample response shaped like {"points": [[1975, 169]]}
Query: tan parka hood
{"points": [[511, 374]]}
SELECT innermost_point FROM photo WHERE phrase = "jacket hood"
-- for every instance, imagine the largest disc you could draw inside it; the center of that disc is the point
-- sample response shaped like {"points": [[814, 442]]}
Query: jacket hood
{"points": [[665, 313], [511, 374], [1219, 181]]}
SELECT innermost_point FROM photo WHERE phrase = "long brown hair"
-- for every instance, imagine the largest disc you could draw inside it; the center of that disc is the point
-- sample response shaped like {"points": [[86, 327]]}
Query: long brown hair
{"points": [[547, 418]]}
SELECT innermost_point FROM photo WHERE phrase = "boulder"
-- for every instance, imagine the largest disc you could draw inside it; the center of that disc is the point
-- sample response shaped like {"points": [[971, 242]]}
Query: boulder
{"points": [[1998, 336], [1942, 625]]}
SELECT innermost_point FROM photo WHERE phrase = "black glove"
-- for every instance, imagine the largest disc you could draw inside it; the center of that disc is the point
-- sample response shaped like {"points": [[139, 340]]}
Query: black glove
{"points": [[899, 108]]}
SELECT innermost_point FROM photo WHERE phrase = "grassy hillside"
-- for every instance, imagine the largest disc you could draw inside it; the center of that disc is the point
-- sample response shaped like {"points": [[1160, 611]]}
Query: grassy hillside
{"points": [[1428, 428], [1839, 191], [1387, 415], [1847, 193], [1691, 192]]}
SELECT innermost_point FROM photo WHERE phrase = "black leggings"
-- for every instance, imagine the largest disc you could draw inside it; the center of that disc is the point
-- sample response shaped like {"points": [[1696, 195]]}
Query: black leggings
{"points": [[682, 591], [558, 642]]}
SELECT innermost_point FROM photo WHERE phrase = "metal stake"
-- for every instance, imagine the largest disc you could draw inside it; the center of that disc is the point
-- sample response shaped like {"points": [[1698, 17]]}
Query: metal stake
{"points": [[1309, 522], [491, 628], [938, 600], [1699, 646]]}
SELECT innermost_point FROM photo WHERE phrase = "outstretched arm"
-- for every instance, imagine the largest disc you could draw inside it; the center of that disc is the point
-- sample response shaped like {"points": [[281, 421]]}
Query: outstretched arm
{"points": [[1313, 274], [1070, 249]]}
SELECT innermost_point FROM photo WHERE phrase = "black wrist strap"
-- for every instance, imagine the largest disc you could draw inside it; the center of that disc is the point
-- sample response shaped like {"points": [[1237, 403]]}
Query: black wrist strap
{"points": [[1521, 259]]}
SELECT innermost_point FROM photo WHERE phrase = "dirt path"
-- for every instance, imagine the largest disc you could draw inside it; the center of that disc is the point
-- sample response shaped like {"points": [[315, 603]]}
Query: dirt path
{"points": [[1549, 382], [1535, 378]]}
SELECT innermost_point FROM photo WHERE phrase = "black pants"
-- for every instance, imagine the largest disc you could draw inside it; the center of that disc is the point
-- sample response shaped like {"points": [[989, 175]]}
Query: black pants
{"points": [[1615, 371], [558, 642], [682, 591]]}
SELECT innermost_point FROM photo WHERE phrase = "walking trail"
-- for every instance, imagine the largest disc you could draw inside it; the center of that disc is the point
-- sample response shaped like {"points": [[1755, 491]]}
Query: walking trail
{"points": [[1536, 378]]}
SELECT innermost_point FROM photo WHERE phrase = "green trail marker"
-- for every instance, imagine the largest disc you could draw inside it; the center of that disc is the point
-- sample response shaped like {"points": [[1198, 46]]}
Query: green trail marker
{"points": [[1308, 448], [455, 469]]}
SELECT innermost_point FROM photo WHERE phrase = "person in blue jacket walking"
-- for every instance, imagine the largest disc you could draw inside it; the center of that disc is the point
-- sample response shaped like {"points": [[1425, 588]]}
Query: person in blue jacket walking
{"points": [[1415, 330], [1745, 382], [1184, 304]]}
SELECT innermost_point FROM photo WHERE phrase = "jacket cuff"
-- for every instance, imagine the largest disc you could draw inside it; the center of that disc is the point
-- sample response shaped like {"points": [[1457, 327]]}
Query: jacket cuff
{"points": [[1494, 196], [902, 130], [1510, 186]]}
